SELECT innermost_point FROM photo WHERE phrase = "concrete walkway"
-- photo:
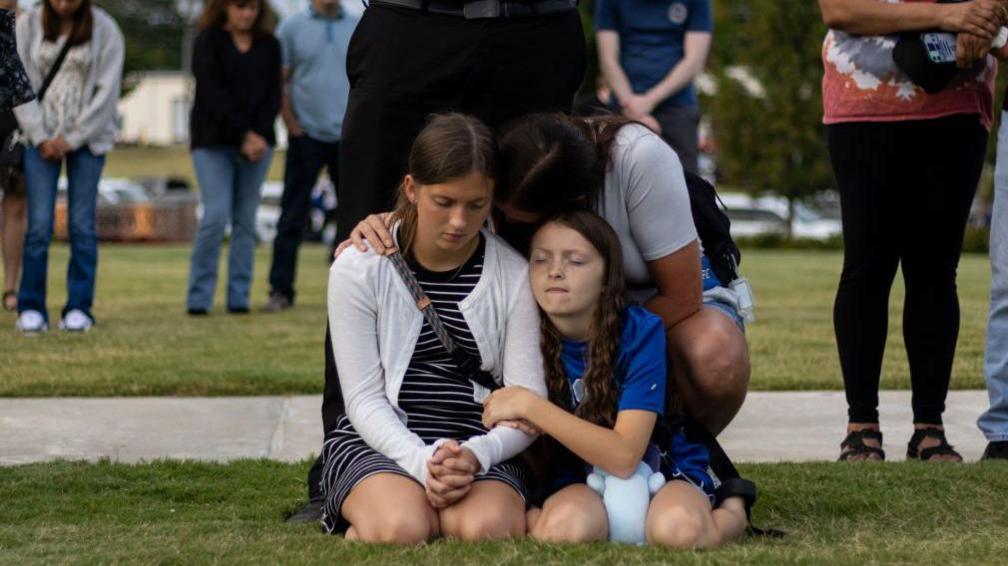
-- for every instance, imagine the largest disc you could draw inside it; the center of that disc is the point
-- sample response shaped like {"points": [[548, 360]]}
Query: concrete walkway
{"points": [[789, 426]]}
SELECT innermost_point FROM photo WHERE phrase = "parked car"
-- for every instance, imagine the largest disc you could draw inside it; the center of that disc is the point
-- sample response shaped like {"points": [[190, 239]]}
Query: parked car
{"points": [[321, 215], [756, 216]]}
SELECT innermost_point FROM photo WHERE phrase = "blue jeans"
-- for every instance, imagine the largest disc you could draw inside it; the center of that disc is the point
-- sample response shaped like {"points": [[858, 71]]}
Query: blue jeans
{"points": [[230, 189], [994, 423], [84, 170]]}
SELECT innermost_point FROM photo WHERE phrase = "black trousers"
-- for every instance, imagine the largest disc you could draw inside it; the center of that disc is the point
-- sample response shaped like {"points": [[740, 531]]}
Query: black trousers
{"points": [[679, 129], [305, 158], [404, 65], [905, 194]]}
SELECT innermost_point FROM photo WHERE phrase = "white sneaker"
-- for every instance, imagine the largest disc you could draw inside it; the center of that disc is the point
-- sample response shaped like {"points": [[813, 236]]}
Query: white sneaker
{"points": [[31, 323], [76, 321]]}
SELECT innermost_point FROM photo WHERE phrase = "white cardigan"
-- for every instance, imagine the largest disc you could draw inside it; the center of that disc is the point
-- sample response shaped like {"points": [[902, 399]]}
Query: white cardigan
{"points": [[375, 325], [96, 125]]}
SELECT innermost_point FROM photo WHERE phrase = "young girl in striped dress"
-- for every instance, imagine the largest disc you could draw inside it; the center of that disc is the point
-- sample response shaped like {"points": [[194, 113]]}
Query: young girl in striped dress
{"points": [[606, 375], [411, 460]]}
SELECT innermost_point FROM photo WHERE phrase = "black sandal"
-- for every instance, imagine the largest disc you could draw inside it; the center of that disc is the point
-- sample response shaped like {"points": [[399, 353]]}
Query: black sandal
{"points": [[8, 294], [915, 452], [854, 445]]}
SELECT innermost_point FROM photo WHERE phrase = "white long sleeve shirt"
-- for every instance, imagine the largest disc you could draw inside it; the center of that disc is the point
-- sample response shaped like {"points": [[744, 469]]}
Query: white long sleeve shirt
{"points": [[375, 324]]}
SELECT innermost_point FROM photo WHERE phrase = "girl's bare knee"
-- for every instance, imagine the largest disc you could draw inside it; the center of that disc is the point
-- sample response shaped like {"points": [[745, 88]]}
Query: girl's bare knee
{"points": [[679, 528]]}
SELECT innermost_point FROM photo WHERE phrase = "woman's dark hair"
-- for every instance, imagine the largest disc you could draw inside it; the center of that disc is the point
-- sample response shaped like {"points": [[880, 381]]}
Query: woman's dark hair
{"points": [[601, 393], [215, 16], [83, 23], [451, 146], [552, 163]]}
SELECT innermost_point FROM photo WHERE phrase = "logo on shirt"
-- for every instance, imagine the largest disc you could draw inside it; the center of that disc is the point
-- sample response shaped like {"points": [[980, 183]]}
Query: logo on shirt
{"points": [[677, 13], [578, 389]]}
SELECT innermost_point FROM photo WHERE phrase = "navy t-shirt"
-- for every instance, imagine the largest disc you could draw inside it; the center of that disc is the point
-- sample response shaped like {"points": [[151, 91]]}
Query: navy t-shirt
{"points": [[652, 33], [641, 376]]}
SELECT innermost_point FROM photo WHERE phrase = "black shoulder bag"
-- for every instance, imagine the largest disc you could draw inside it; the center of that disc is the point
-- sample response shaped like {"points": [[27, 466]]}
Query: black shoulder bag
{"points": [[713, 228], [12, 148]]}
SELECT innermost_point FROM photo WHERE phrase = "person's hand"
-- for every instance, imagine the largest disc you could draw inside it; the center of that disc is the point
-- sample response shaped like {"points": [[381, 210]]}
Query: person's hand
{"points": [[981, 18], [970, 49], [375, 229], [513, 403], [522, 425], [651, 123], [637, 107], [295, 130], [61, 146], [254, 147], [450, 473], [53, 150]]}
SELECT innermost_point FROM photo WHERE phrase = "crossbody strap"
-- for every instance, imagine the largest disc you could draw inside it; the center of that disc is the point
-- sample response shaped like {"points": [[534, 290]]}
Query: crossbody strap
{"points": [[467, 363], [55, 69]]}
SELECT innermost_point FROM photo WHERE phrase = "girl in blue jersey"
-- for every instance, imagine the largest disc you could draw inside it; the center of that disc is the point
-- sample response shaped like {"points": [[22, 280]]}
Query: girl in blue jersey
{"points": [[606, 375]]}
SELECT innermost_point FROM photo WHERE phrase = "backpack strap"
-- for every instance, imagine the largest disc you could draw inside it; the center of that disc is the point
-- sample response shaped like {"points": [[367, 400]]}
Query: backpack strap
{"points": [[732, 484]]}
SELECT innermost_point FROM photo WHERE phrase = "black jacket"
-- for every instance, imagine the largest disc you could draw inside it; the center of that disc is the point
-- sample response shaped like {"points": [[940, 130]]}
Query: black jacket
{"points": [[235, 92]]}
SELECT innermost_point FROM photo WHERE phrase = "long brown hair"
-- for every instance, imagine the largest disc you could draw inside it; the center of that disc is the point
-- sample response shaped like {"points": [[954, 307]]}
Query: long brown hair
{"points": [[451, 146], [601, 392], [552, 163], [83, 23], [215, 16]]}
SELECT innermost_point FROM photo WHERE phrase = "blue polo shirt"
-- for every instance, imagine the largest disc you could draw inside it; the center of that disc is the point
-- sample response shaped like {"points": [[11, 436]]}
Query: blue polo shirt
{"points": [[314, 48], [651, 34]]}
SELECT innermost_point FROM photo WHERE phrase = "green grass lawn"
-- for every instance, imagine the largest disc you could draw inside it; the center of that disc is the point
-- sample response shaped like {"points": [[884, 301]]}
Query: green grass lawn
{"points": [[171, 512], [173, 161], [145, 344]]}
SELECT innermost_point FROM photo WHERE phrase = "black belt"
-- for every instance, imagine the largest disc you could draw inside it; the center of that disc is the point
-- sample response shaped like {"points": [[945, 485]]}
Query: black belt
{"points": [[482, 9]]}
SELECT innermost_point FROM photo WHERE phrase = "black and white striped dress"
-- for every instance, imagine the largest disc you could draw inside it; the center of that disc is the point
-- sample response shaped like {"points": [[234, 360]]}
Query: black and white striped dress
{"points": [[438, 401]]}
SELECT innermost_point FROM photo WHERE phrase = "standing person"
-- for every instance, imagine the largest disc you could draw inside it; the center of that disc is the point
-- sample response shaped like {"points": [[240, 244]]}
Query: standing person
{"points": [[605, 372], [15, 211], [76, 124], [994, 422], [649, 53], [411, 58], [314, 46], [411, 459], [478, 57], [236, 61], [15, 88], [900, 208]]}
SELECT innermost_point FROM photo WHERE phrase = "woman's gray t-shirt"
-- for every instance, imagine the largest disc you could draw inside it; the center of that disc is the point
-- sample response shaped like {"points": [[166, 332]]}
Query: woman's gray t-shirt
{"points": [[646, 201]]}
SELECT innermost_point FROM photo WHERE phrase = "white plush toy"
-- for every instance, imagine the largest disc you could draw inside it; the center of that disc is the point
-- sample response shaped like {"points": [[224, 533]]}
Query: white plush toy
{"points": [[626, 500]]}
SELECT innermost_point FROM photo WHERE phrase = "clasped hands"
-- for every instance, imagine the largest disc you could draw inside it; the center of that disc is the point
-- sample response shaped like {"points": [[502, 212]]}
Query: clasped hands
{"points": [[55, 149], [977, 23], [452, 468]]}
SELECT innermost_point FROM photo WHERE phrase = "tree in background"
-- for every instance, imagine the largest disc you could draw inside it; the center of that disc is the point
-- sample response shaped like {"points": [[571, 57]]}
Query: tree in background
{"points": [[153, 30], [767, 113]]}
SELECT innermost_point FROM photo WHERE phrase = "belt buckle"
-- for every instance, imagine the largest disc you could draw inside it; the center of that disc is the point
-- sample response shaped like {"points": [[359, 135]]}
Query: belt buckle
{"points": [[481, 9]]}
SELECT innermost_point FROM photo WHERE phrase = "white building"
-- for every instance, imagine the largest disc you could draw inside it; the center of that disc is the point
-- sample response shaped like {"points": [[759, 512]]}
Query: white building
{"points": [[156, 110]]}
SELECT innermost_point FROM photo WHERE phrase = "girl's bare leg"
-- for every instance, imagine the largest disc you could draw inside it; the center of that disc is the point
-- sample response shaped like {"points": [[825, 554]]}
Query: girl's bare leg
{"points": [[681, 517], [389, 508], [573, 514], [491, 510]]}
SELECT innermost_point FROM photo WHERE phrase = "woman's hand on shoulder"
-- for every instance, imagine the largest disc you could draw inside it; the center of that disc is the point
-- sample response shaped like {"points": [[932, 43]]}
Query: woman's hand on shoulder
{"points": [[514, 404], [374, 230]]}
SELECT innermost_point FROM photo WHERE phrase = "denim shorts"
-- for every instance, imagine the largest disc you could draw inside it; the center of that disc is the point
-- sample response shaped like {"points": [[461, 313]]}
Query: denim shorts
{"points": [[725, 300]]}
